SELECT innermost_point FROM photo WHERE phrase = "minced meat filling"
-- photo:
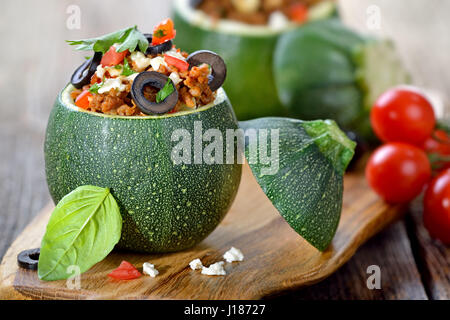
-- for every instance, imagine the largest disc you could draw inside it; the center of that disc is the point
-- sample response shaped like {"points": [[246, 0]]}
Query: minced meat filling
{"points": [[192, 85], [256, 12]]}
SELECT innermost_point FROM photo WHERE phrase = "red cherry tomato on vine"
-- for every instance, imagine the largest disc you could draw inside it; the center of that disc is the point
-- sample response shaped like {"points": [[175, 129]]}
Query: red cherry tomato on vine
{"points": [[398, 172], [436, 213], [439, 145], [403, 115]]}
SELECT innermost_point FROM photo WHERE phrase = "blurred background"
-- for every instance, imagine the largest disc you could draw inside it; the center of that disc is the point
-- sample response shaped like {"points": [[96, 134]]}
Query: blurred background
{"points": [[36, 63]]}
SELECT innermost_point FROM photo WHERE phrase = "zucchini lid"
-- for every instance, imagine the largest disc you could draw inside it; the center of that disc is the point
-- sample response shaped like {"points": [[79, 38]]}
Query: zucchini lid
{"points": [[307, 188]]}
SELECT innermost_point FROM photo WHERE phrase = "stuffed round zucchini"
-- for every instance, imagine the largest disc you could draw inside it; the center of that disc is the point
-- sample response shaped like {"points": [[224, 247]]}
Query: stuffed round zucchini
{"points": [[245, 34], [112, 127]]}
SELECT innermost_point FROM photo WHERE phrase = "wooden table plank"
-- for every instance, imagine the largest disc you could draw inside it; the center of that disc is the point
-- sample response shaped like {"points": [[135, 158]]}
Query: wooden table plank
{"points": [[433, 258]]}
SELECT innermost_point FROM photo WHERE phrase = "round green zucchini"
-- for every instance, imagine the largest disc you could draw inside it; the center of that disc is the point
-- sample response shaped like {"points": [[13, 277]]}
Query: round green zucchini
{"points": [[248, 52], [165, 206], [335, 73]]}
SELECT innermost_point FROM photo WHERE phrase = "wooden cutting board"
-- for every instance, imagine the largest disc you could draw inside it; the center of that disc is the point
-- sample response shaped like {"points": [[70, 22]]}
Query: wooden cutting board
{"points": [[276, 258]]}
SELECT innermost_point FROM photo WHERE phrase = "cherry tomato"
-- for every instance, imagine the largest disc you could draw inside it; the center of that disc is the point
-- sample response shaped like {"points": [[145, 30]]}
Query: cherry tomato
{"points": [[178, 63], [163, 32], [126, 271], [298, 13], [82, 101], [112, 57], [403, 115], [438, 144], [398, 172], [436, 213]]}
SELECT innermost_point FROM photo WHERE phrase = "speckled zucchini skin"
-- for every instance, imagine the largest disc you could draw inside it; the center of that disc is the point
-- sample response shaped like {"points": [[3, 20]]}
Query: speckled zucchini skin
{"points": [[165, 207]]}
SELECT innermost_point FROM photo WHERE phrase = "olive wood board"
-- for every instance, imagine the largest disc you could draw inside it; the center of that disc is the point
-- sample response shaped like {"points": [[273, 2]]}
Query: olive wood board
{"points": [[276, 259]]}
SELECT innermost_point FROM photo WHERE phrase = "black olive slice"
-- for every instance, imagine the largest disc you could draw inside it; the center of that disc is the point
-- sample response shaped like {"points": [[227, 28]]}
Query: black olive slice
{"points": [[159, 48], [218, 66], [82, 75], [156, 80], [28, 259]]}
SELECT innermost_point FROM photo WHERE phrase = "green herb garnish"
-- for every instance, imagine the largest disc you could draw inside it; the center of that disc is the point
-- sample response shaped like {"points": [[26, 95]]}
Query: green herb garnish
{"points": [[94, 88], [159, 33], [165, 91], [127, 71], [128, 39], [82, 230]]}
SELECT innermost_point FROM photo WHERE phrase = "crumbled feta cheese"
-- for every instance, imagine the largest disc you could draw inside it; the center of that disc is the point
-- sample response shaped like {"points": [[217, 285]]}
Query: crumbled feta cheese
{"points": [[278, 21], [114, 72], [196, 264], [174, 53], [140, 60], [149, 269], [157, 62], [112, 83], [216, 269], [233, 255], [132, 76], [100, 71], [175, 78]]}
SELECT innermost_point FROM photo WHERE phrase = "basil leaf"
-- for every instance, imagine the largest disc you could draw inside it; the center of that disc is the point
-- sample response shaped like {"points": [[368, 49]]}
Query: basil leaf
{"points": [[128, 39], [127, 71], [83, 229], [165, 91], [134, 39]]}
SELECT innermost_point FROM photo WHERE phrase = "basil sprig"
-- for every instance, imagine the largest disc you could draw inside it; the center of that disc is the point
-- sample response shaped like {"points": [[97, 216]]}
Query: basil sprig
{"points": [[82, 230], [128, 39], [165, 91]]}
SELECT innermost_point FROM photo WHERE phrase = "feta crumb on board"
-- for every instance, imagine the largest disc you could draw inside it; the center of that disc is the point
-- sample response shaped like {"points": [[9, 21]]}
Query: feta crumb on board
{"points": [[216, 269], [196, 264], [233, 255], [150, 269]]}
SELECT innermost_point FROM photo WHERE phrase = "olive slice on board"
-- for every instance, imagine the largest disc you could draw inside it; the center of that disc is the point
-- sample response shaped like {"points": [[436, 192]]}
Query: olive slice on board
{"points": [[218, 66], [28, 259], [82, 75], [159, 48], [158, 81]]}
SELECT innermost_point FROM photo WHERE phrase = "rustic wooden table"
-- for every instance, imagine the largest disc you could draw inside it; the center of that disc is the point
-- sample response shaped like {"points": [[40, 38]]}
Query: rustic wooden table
{"points": [[35, 63]]}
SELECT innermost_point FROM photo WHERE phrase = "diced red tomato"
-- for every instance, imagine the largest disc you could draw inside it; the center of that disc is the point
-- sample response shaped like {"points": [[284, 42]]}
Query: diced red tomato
{"points": [[112, 57], [298, 13], [126, 271], [163, 32], [82, 101], [178, 63]]}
